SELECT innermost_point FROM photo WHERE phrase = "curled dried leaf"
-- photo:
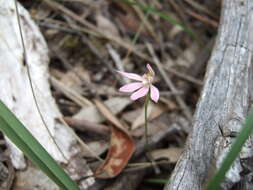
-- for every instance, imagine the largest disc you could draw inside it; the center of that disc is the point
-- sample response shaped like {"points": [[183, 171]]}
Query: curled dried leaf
{"points": [[121, 146]]}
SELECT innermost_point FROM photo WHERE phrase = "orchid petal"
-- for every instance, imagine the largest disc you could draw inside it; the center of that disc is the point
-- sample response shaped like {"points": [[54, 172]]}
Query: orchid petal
{"points": [[131, 87], [154, 93], [131, 76], [150, 69], [140, 93]]}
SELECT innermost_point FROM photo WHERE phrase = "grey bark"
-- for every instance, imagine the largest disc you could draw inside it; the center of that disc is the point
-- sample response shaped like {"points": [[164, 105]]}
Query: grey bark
{"points": [[224, 102]]}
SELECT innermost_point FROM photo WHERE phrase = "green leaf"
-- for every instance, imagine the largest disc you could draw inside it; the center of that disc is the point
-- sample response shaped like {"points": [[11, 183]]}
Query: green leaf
{"points": [[233, 153], [161, 15], [24, 140]]}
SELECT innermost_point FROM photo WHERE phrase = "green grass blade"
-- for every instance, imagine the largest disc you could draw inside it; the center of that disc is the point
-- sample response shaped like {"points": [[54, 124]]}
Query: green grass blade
{"points": [[161, 15], [24, 140], [159, 181], [233, 153], [136, 36]]}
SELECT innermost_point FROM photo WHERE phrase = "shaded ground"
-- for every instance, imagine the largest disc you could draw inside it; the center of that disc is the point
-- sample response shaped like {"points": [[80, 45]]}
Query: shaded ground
{"points": [[90, 40]]}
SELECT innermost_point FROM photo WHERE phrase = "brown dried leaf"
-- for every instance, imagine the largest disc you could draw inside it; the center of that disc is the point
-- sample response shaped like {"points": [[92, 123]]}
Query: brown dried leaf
{"points": [[105, 25], [116, 105], [75, 77], [121, 146], [130, 116], [87, 126]]}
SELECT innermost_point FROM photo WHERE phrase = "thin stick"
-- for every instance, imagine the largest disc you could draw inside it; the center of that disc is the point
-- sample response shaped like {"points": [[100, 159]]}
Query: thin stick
{"points": [[184, 76], [117, 60], [204, 19], [83, 145], [95, 30], [145, 21], [199, 7]]}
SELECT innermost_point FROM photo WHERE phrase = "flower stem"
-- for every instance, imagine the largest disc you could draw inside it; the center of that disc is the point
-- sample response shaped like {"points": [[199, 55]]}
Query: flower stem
{"points": [[146, 118], [148, 155]]}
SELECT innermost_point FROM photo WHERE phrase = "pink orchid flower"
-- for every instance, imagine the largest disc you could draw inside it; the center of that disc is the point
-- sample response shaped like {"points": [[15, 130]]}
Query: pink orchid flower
{"points": [[142, 87]]}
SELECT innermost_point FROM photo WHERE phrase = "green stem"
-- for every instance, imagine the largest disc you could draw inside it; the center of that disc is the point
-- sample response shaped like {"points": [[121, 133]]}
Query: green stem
{"points": [[146, 118], [148, 155]]}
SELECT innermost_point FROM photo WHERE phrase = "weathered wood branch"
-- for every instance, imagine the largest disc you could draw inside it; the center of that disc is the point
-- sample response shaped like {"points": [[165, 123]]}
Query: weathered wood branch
{"points": [[224, 102], [16, 93]]}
